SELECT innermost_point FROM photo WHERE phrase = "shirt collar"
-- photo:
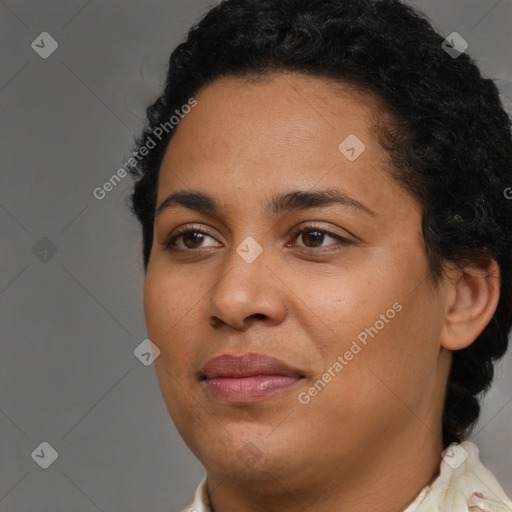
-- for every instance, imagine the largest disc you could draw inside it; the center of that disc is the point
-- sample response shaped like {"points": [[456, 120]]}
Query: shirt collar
{"points": [[201, 501]]}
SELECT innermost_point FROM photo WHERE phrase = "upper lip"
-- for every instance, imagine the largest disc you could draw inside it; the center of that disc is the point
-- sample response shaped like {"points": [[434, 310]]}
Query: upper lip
{"points": [[246, 365]]}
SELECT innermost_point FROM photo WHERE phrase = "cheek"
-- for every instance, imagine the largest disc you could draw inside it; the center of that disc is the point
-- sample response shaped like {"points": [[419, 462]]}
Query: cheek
{"points": [[166, 299], [388, 327], [157, 313], [377, 386], [394, 364], [169, 311], [338, 307]]}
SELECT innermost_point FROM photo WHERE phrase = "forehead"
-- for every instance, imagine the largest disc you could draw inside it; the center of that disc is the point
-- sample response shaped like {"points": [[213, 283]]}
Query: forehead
{"points": [[286, 131], [288, 106]]}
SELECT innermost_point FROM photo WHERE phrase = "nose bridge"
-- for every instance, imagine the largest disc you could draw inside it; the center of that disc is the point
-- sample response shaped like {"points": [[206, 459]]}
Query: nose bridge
{"points": [[247, 288]]}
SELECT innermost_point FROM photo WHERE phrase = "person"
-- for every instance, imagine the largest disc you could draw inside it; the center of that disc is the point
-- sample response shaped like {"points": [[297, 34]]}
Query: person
{"points": [[326, 238]]}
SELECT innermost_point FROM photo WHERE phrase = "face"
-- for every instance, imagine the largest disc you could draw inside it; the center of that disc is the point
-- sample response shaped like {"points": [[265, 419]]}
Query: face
{"points": [[331, 280]]}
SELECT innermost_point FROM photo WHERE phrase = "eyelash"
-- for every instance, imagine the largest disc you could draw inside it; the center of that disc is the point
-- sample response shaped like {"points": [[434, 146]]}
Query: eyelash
{"points": [[169, 245]]}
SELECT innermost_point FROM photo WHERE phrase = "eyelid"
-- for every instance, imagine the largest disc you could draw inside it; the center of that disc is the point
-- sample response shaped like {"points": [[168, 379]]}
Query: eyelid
{"points": [[310, 226]]}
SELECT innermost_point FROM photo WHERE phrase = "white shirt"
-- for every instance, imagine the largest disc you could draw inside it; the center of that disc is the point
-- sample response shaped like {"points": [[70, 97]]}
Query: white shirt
{"points": [[464, 484]]}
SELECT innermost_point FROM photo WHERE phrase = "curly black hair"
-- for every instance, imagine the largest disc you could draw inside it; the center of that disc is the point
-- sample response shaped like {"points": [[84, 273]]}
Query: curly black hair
{"points": [[448, 135]]}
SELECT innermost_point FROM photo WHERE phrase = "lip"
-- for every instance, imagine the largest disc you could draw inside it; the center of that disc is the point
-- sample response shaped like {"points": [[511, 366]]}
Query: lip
{"points": [[250, 377]]}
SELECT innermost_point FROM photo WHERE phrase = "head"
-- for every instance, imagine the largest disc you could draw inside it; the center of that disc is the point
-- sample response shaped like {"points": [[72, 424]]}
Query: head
{"points": [[268, 96]]}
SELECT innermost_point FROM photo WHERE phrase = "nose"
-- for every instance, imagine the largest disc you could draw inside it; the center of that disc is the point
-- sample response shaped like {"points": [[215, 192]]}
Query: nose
{"points": [[246, 293]]}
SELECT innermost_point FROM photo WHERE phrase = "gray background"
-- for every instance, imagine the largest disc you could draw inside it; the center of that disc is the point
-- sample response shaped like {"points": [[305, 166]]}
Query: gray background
{"points": [[70, 321]]}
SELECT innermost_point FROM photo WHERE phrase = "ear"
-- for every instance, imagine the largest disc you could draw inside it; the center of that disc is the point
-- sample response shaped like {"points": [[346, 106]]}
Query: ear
{"points": [[473, 292]]}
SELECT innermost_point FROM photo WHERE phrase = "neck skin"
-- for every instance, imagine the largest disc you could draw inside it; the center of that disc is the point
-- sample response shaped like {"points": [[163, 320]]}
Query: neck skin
{"points": [[387, 477]]}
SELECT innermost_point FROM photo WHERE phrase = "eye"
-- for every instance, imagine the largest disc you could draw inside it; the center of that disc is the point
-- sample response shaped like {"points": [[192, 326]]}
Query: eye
{"points": [[191, 238], [314, 236]]}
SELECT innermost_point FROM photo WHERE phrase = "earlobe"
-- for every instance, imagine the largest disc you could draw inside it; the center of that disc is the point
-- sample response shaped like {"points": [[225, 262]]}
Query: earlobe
{"points": [[472, 300]]}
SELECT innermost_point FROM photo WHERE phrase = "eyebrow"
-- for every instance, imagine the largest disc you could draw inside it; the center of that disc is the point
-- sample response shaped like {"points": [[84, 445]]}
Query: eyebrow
{"points": [[291, 201]]}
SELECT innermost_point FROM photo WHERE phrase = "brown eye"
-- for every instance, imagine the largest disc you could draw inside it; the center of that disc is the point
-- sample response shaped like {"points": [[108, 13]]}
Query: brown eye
{"points": [[190, 239], [313, 237]]}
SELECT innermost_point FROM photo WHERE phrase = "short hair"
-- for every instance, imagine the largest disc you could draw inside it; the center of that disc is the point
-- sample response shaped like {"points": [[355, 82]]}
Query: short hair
{"points": [[447, 135]]}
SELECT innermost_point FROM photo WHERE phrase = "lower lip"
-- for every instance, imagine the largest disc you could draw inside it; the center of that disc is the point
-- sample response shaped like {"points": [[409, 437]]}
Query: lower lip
{"points": [[249, 389]]}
